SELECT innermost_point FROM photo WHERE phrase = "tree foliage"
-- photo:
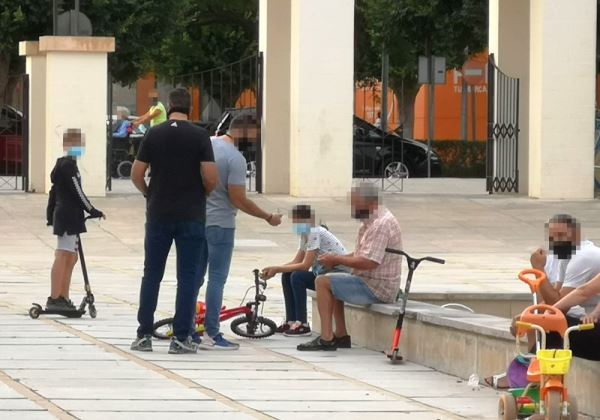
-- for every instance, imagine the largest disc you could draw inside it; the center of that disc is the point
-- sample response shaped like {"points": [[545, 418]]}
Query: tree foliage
{"points": [[167, 36], [410, 28]]}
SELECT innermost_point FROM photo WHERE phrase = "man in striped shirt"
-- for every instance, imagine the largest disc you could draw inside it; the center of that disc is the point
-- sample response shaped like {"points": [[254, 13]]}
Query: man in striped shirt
{"points": [[375, 276]]}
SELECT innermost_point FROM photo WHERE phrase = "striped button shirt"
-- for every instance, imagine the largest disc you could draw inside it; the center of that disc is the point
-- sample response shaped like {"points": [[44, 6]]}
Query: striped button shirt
{"points": [[379, 232]]}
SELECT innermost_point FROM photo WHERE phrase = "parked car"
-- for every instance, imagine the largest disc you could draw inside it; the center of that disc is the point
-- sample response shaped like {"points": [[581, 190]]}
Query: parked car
{"points": [[11, 140], [376, 154]]}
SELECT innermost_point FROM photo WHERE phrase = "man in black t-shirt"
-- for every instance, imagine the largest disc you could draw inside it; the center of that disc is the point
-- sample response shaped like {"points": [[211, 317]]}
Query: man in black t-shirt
{"points": [[183, 174]]}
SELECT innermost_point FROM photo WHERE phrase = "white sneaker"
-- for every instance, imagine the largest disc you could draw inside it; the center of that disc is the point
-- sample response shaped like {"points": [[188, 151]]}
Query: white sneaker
{"points": [[218, 342]]}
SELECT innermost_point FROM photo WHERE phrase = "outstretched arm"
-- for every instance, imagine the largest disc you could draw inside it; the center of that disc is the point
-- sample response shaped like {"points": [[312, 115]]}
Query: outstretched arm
{"points": [[580, 295]]}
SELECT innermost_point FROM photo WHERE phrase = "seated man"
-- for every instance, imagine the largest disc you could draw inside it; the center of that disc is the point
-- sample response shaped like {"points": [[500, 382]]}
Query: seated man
{"points": [[375, 274], [571, 264]]}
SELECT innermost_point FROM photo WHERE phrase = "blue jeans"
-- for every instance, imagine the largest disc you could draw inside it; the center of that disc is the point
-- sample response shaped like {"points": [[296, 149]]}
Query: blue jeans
{"points": [[217, 259], [351, 289], [189, 242], [294, 293]]}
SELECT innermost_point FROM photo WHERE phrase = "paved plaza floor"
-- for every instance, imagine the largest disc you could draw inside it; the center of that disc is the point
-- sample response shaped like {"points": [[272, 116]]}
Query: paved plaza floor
{"points": [[59, 368]]}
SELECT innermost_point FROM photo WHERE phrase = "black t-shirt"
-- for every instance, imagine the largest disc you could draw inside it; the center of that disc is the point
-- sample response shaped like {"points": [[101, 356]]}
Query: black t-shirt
{"points": [[174, 149]]}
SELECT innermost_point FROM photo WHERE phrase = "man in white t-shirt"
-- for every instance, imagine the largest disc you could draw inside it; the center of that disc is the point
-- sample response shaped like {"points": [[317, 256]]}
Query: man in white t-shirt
{"points": [[299, 274], [571, 263]]}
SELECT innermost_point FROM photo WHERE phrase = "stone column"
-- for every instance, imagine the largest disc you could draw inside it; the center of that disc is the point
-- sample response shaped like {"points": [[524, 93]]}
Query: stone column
{"points": [[73, 96], [322, 97], [35, 67], [274, 42], [509, 42], [562, 93], [308, 97]]}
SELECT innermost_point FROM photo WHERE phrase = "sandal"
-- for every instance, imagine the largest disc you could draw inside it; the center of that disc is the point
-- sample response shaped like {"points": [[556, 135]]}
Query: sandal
{"points": [[492, 381]]}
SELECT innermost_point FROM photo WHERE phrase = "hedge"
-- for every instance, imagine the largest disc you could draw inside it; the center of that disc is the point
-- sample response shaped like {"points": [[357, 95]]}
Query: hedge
{"points": [[461, 159]]}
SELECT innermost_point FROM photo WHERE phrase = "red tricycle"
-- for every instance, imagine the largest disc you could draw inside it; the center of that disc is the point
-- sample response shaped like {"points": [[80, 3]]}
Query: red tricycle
{"points": [[251, 324]]}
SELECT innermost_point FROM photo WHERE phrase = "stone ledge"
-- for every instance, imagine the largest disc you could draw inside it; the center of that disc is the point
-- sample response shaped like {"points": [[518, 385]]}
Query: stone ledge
{"points": [[455, 342]]}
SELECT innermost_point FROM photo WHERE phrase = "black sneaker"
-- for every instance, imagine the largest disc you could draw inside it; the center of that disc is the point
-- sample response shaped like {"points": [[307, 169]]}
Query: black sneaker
{"points": [[298, 330], [67, 303], [283, 328], [54, 304], [343, 342], [317, 345]]}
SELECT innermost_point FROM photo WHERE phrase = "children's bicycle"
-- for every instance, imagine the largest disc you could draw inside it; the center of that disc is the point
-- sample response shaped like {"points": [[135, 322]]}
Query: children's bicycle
{"points": [[546, 393], [250, 325]]}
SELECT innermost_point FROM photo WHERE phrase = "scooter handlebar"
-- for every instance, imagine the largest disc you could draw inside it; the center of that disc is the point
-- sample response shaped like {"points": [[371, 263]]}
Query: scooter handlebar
{"points": [[400, 252], [534, 284]]}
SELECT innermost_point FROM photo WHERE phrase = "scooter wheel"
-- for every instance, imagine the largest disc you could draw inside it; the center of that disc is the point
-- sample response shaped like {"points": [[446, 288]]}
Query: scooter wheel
{"points": [[93, 311], [34, 312], [395, 357]]}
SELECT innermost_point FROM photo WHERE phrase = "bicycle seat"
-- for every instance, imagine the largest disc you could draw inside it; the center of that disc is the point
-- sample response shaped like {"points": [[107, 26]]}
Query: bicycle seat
{"points": [[545, 316]]}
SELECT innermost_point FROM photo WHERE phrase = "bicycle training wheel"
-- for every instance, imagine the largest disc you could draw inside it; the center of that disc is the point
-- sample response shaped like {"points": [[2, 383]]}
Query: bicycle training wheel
{"points": [[261, 328]]}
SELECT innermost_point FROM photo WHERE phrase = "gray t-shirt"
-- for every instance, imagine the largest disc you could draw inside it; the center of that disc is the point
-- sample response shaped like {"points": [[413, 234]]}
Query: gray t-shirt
{"points": [[231, 165]]}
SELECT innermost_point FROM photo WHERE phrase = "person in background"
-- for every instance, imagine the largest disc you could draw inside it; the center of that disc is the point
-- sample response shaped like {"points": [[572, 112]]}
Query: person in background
{"points": [[156, 114]]}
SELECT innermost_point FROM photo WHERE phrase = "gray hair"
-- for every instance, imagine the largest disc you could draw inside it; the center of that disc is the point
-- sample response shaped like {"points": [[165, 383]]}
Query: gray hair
{"points": [[367, 191], [124, 111]]}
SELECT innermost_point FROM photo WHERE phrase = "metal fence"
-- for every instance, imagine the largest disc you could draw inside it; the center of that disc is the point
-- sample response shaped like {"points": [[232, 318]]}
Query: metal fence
{"points": [[235, 88], [14, 138]]}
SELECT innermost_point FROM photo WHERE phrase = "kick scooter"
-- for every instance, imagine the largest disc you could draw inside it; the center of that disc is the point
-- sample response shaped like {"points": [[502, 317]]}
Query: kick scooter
{"points": [[413, 263], [88, 300]]}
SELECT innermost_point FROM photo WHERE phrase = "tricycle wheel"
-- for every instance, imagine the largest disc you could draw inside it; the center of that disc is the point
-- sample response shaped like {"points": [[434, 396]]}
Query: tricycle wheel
{"points": [[507, 407], [261, 328], [573, 409], [552, 404], [34, 312]]}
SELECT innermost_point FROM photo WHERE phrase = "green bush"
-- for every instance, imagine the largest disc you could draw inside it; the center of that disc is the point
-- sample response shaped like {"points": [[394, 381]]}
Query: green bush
{"points": [[461, 159]]}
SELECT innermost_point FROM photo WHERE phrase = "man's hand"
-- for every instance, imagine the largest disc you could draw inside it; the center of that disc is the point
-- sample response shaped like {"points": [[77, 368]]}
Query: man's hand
{"points": [[590, 318], [274, 219], [513, 325], [328, 260], [538, 259], [268, 272]]}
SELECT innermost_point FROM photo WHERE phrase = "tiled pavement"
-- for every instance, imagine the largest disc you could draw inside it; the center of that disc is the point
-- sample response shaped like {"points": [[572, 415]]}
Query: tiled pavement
{"points": [[59, 368]]}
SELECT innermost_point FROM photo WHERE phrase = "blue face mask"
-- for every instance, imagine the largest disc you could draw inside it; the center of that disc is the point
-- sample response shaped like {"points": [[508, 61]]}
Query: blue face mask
{"points": [[301, 228], [76, 151]]}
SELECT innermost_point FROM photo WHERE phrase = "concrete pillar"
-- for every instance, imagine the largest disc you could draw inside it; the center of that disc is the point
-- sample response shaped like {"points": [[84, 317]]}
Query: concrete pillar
{"points": [[561, 102], [509, 42], [308, 97], [73, 96], [274, 42], [35, 67]]}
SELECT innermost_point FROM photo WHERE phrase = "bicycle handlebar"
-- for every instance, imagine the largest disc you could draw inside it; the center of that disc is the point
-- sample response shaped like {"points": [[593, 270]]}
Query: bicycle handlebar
{"points": [[400, 252]]}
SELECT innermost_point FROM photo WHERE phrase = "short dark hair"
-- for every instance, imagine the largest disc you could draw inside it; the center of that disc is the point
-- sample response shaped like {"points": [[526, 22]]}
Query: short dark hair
{"points": [[302, 211], [566, 219], [180, 99]]}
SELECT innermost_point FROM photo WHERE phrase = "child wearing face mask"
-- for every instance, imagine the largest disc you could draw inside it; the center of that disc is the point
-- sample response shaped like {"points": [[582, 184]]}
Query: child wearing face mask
{"points": [[299, 274]]}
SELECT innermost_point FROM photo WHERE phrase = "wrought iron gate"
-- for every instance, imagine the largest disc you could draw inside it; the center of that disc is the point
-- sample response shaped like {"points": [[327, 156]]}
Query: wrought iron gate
{"points": [[14, 134], [502, 170], [235, 88]]}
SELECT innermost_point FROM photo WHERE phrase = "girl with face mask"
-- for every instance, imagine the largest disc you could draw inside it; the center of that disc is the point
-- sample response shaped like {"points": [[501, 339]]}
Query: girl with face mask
{"points": [[299, 274]]}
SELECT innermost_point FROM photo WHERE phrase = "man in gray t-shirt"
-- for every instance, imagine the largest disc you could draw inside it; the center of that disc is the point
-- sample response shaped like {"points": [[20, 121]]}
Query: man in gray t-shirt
{"points": [[221, 207]]}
